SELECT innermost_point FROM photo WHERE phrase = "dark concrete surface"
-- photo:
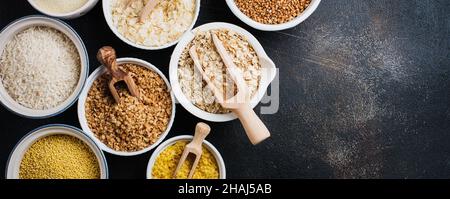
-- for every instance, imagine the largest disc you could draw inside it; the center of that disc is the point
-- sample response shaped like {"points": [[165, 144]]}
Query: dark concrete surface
{"points": [[364, 93]]}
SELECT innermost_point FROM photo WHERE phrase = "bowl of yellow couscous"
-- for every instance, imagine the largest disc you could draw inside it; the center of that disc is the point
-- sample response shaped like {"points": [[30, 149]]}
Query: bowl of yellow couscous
{"points": [[165, 158]]}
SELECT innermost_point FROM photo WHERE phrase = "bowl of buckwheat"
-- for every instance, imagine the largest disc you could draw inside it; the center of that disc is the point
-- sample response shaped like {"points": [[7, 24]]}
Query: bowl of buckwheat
{"points": [[188, 85], [134, 125], [272, 15]]}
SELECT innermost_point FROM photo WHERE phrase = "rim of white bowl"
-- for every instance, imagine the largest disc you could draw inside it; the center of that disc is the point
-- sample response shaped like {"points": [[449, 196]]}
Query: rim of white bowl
{"points": [[16, 155], [173, 140], [83, 96], [38, 20], [273, 27], [70, 15], [106, 4], [173, 71]]}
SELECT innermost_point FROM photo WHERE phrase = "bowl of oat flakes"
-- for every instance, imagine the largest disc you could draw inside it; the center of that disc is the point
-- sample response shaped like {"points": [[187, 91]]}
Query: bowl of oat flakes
{"points": [[247, 53], [162, 28], [134, 125]]}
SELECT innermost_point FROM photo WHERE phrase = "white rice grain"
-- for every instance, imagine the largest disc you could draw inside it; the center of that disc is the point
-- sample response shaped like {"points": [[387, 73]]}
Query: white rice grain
{"points": [[40, 68]]}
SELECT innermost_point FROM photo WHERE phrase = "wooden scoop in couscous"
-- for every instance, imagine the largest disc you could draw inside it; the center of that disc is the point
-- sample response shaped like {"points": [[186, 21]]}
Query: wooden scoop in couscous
{"points": [[59, 157], [167, 162]]}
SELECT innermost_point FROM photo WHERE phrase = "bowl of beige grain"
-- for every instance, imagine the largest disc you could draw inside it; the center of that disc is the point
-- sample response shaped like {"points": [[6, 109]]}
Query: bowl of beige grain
{"points": [[272, 15], [134, 125], [249, 56]]}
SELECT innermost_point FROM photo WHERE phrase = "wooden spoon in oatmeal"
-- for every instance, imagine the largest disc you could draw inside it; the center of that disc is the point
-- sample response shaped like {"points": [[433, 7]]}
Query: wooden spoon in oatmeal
{"points": [[240, 102]]}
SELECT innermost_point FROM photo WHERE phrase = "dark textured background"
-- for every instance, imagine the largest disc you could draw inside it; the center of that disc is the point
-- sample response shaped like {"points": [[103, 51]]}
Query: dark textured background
{"points": [[364, 93]]}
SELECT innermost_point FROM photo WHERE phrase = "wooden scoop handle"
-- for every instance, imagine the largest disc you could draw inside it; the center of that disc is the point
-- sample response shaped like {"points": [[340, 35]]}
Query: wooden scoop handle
{"points": [[201, 131], [107, 57], [195, 146], [254, 127]]}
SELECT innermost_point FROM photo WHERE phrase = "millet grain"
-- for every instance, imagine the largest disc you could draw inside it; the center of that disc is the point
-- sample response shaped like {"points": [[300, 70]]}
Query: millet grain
{"points": [[59, 157]]}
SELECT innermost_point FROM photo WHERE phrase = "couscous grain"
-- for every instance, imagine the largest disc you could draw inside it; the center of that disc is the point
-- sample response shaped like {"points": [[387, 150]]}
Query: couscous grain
{"points": [[167, 162]]}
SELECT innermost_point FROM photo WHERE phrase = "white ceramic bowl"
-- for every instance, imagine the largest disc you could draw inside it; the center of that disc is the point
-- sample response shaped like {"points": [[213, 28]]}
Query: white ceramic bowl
{"points": [[267, 76], [70, 15], [169, 142], [26, 22], [273, 27], [15, 158], [82, 113], [108, 17]]}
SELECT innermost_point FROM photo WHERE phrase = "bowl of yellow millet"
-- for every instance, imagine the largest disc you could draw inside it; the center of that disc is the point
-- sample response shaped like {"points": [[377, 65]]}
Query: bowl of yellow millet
{"points": [[165, 158], [56, 151]]}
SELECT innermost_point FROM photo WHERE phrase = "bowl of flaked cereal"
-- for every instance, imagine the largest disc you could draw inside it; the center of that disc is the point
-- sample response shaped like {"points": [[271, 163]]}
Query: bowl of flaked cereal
{"points": [[162, 28], [134, 125], [191, 90]]}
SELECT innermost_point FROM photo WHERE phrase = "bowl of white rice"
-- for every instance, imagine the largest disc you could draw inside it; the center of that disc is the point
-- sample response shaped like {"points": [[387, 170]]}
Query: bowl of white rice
{"points": [[64, 9], [165, 25], [43, 67]]}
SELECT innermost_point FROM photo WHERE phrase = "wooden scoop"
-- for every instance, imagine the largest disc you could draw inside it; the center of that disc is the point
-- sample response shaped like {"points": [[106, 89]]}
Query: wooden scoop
{"points": [[126, 4], [107, 56], [240, 103], [151, 4], [195, 147]]}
